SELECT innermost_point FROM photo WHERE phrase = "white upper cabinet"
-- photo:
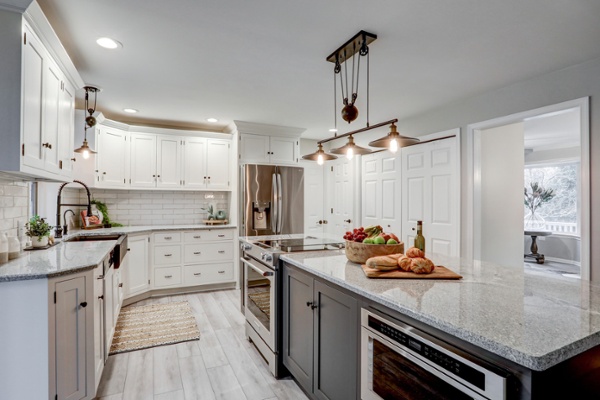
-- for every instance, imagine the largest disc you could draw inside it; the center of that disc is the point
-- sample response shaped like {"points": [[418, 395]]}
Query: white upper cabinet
{"points": [[194, 163], [218, 164], [112, 158], [142, 160], [262, 149], [268, 144], [169, 161], [47, 104]]}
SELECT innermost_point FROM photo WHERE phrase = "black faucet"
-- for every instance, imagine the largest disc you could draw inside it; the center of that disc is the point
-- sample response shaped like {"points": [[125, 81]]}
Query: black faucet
{"points": [[66, 225], [58, 229]]}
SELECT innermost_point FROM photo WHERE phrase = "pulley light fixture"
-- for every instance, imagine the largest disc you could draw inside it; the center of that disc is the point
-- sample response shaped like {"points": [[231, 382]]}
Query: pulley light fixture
{"points": [[90, 121], [345, 54]]}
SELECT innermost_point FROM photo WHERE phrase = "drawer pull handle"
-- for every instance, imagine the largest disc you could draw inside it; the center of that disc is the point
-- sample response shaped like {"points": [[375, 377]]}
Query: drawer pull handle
{"points": [[221, 235], [168, 276], [168, 238], [221, 251], [197, 273], [221, 272], [168, 255], [197, 253], [100, 277], [197, 237]]}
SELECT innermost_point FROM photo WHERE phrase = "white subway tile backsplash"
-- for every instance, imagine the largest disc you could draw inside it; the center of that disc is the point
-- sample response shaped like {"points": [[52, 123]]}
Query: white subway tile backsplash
{"points": [[14, 206]]}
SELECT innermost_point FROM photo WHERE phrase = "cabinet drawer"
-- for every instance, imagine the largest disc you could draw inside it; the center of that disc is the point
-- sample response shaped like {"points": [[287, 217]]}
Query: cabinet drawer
{"points": [[167, 276], [167, 237], [207, 273], [167, 254], [194, 253], [208, 235]]}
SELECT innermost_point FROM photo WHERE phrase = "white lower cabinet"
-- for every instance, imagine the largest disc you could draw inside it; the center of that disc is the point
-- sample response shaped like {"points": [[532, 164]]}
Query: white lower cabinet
{"points": [[192, 258], [135, 272]]}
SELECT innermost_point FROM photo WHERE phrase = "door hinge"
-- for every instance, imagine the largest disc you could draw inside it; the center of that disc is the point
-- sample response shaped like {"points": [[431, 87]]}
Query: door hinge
{"points": [[148, 240], [60, 164], [124, 181], [130, 181], [54, 297], [23, 149], [332, 210], [227, 183], [25, 38], [332, 168], [148, 281]]}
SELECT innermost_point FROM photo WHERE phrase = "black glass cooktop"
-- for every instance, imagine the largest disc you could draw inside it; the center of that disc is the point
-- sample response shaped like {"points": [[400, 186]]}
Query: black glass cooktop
{"points": [[301, 244]]}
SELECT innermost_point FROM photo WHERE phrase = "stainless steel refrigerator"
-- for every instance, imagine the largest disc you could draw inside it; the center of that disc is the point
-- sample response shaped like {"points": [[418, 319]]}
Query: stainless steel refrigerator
{"points": [[272, 200]]}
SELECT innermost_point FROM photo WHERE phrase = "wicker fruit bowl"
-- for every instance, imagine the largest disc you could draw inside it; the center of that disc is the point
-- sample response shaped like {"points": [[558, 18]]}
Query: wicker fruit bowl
{"points": [[360, 252]]}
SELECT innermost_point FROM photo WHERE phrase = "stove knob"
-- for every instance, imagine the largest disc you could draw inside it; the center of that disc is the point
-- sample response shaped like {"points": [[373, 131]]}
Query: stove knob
{"points": [[266, 257], [246, 246]]}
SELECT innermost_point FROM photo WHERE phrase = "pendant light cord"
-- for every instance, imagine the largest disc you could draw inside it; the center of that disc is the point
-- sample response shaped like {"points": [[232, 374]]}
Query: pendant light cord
{"points": [[368, 74]]}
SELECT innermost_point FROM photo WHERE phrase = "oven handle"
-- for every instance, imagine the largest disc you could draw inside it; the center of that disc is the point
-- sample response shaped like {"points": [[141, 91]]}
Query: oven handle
{"points": [[255, 268]]}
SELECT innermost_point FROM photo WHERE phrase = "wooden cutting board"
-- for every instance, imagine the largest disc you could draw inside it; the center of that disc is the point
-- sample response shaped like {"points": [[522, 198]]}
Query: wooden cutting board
{"points": [[439, 272]]}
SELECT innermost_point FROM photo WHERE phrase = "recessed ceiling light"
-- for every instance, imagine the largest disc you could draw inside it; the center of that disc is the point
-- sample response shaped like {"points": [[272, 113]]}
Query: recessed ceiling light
{"points": [[108, 43], [130, 110], [212, 120], [333, 130]]}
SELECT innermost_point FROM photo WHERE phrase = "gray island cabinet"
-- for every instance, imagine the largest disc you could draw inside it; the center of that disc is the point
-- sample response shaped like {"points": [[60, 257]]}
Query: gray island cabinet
{"points": [[540, 334], [320, 336]]}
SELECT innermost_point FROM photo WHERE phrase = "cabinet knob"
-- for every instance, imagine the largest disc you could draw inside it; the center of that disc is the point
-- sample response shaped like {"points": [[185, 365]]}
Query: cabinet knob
{"points": [[348, 220], [47, 145], [120, 285], [73, 159], [311, 304], [83, 304]]}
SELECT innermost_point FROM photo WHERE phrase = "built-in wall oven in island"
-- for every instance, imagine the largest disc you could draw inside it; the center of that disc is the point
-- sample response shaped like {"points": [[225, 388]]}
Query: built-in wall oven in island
{"points": [[399, 361]]}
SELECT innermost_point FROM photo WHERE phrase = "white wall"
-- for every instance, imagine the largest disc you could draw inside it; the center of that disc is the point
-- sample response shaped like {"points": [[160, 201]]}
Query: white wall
{"points": [[567, 84], [499, 200]]}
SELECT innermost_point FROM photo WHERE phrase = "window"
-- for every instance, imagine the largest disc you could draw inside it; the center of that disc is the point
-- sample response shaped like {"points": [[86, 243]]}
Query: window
{"points": [[561, 213]]}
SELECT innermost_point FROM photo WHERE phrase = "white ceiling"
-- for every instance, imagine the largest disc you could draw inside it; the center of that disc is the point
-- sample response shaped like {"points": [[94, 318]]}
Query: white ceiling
{"points": [[557, 130], [263, 61]]}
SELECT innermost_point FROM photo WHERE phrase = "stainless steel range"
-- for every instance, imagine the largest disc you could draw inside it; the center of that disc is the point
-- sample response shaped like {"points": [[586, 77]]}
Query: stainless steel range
{"points": [[261, 292]]}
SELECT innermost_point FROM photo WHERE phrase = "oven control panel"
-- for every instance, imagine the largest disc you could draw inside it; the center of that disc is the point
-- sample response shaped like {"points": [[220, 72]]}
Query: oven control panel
{"points": [[441, 359]]}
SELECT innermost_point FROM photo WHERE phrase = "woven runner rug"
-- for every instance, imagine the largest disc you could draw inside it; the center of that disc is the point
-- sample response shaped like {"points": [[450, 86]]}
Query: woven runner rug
{"points": [[153, 325], [262, 301]]}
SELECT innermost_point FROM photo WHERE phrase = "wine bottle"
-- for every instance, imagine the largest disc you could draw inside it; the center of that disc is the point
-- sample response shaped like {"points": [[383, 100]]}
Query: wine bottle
{"points": [[420, 239]]}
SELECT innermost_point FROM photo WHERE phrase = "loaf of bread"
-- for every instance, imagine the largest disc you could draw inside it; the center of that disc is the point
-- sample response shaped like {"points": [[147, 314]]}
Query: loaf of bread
{"points": [[414, 252], [421, 265], [404, 263], [384, 261]]}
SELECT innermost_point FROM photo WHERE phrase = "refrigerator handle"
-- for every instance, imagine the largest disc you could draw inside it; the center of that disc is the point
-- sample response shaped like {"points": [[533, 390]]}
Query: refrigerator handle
{"points": [[275, 204], [280, 210]]}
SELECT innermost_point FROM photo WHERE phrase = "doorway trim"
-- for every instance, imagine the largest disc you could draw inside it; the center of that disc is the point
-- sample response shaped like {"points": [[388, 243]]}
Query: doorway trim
{"points": [[472, 172]]}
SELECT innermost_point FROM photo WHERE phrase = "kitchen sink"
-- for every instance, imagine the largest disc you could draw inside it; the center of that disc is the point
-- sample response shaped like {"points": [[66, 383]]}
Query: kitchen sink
{"points": [[92, 238]]}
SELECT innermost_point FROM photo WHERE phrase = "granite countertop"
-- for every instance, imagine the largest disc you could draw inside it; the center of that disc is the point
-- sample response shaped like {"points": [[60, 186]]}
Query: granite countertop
{"points": [[535, 321], [72, 257]]}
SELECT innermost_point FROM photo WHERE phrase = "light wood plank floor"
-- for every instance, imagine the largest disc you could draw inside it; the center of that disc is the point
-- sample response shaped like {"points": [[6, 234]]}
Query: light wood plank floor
{"points": [[221, 365]]}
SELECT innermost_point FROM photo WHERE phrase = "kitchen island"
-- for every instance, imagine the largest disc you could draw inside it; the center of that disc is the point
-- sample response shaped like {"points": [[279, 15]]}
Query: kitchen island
{"points": [[539, 325]]}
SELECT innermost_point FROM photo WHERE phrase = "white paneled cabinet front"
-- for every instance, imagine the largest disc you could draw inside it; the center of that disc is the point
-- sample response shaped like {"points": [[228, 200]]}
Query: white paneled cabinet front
{"points": [[206, 164], [264, 149], [381, 188], [112, 161], [66, 130], [142, 162], [194, 163], [135, 274], [217, 164], [169, 162]]}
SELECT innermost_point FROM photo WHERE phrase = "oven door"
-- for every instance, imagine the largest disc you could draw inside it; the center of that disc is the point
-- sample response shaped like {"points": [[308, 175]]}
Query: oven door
{"points": [[259, 286]]}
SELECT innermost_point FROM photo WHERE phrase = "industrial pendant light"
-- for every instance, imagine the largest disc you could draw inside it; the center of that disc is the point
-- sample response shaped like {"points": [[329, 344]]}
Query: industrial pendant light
{"points": [[90, 121], [393, 140], [319, 156], [350, 149]]}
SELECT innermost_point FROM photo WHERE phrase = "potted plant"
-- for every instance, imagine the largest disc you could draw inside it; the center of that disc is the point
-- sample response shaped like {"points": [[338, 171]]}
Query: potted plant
{"points": [[534, 199], [38, 230]]}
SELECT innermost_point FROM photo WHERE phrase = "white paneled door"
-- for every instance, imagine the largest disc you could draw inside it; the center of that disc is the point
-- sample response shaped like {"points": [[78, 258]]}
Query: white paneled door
{"points": [[431, 193], [314, 207], [381, 183], [340, 212]]}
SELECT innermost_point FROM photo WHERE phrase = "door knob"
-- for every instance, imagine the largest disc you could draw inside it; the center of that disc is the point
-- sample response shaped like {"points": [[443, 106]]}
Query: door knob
{"points": [[83, 304], [348, 220], [311, 304]]}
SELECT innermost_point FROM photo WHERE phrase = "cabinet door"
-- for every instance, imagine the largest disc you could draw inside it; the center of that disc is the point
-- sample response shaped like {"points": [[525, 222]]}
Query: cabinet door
{"points": [[254, 148], [283, 150], [109, 291], [113, 153], [66, 129], [168, 155], [51, 98], [70, 315], [194, 163], [32, 78], [143, 160], [98, 300], [336, 344], [136, 271], [298, 326], [217, 164]]}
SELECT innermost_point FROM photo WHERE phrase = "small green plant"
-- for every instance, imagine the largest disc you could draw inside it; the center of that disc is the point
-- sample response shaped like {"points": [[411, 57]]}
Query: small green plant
{"points": [[537, 196], [210, 211], [103, 208], [37, 227]]}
